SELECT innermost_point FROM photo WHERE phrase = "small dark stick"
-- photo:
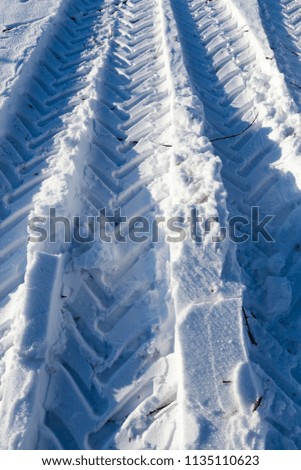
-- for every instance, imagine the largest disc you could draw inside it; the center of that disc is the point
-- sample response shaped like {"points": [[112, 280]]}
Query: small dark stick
{"points": [[158, 409], [251, 337], [236, 135], [257, 403], [291, 50], [295, 84]]}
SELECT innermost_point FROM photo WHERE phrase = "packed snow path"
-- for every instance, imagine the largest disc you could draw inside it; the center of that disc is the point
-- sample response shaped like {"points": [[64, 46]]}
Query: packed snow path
{"points": [[155, 108]]}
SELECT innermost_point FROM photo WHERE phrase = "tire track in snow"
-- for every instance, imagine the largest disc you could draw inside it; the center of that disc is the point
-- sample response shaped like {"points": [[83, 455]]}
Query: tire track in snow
{"points": [[33, 120], [51, 86], [222, 65], [206, 285], [281, 21], [113, 373], [115, 316]]}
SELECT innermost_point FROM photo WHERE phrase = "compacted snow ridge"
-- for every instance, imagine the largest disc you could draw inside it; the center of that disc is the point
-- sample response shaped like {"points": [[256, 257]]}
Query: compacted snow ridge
{"points": [[159, 109]]}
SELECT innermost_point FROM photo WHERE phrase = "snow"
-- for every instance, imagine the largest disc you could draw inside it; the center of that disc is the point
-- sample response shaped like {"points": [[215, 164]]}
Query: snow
{"points": [[160, 109], [21, 25], [37, 328], [279, 295]]}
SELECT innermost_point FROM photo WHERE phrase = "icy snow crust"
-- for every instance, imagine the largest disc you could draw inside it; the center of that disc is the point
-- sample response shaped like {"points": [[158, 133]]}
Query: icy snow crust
{"points": [[157, 107]]}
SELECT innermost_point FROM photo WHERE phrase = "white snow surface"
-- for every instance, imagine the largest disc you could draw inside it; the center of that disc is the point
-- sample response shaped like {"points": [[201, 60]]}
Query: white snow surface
{"points": [[22, 24], [162, 109]]}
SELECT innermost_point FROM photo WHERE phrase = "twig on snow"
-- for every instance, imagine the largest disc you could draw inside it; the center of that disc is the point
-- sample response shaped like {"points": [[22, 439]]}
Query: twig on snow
{"points": [[151, 413], [257, 403], [291, 50], [238, 134], [251, 337], [295, 84]]}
